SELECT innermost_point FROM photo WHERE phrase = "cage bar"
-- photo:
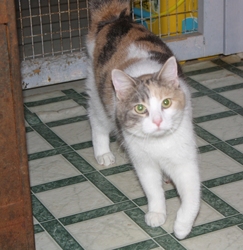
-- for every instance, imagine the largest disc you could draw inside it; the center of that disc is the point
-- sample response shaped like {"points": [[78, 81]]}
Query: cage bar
{"points": [[56, 29], [49, 28]]}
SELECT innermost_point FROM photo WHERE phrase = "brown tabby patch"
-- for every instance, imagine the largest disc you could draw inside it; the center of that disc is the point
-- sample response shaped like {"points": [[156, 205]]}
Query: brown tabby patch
{"points": [[113, 31]]}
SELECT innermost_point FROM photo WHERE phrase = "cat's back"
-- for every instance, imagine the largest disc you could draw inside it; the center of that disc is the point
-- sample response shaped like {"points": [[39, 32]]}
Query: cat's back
{"points": [[115, 41], [118, 42]]}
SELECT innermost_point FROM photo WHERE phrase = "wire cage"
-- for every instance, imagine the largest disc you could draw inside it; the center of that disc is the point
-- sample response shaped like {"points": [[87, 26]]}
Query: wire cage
{"points": [[51, 33], [167, 18], [51, 27]]}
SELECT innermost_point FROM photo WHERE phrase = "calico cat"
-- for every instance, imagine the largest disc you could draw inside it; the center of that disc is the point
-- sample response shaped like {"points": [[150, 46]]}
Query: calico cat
{"points": [[136, 89]]}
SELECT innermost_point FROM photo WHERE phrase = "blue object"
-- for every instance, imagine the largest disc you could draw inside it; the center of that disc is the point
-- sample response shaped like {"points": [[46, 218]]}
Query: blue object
{"points": [[137, 12], [141, 14], [189, 25]]}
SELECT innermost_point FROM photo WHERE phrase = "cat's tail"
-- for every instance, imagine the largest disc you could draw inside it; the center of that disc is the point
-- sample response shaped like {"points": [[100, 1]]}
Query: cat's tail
{"points": [[106, 11]]}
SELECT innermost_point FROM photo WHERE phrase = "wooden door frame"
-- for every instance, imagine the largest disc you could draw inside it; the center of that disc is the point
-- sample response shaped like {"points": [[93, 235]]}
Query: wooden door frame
{"points": [[16, 224]]}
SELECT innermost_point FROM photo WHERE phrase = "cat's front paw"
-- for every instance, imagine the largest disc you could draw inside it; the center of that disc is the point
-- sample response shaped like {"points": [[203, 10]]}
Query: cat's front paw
{"points": [[181, 230], [154, 219], [106, 159]]}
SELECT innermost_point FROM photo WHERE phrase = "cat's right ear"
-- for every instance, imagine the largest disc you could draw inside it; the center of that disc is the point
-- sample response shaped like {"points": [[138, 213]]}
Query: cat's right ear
{"points": [[121, 82]]}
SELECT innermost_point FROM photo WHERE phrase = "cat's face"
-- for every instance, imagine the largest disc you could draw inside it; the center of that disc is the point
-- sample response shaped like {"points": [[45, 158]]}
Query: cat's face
{"points": [[151, 104], [151, 110]]}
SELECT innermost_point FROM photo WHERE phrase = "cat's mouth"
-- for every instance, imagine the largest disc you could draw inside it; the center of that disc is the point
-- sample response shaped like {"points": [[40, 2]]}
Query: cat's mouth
{"points": [[158, 132]]}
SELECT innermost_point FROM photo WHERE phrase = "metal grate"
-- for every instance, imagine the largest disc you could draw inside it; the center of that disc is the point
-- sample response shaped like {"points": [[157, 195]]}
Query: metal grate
{"points": [[51, 27], [167, 17], [52, 33], [48, 28]]}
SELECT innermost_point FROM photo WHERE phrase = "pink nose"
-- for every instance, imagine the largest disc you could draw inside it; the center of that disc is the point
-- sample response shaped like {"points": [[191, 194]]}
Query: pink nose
{"points": [[157, 121]]}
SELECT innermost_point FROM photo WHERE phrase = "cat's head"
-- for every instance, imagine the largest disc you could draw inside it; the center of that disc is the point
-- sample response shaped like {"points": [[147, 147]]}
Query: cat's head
{"points": [[151, 104]]}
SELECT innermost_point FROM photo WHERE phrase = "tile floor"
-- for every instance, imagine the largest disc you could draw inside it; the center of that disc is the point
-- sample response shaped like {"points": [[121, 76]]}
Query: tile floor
{"points": [[78, 204]]}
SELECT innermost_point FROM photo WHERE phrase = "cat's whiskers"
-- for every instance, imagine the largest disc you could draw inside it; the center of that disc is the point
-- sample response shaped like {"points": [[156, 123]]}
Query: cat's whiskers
{"points": [[146, 141], [131, 138]]}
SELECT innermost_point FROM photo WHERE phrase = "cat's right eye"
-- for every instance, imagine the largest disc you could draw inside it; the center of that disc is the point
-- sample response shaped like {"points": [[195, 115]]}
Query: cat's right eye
{"points": [[140, 109]]}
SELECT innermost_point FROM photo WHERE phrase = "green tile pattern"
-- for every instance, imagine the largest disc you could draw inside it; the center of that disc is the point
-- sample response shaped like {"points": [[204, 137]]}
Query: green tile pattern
{"points": [[143, 245], [38, 229], [137, 215], [123, 206], [51, 152], [214, 116], [106, 187], [169, 242], [217, 203], [57, 184], [40, 212], [57, 227], [46, 101], [67, 121], [216, 225], [61, 235], [223, 180]]}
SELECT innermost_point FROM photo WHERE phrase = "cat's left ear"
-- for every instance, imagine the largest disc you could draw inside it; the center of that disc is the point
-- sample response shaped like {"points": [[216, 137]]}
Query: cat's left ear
{"points": [[121, 82], [169, 72]]}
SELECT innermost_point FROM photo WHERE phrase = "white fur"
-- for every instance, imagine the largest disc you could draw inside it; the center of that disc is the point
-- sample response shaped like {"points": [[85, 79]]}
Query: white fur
{"points": [[143, 67], [154, 150], [136, 52], [100, 124], [176, 156], [90, 48]]}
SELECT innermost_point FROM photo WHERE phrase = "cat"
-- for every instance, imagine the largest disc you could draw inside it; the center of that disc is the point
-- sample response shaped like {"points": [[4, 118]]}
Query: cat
{"points": [[137, 89]]}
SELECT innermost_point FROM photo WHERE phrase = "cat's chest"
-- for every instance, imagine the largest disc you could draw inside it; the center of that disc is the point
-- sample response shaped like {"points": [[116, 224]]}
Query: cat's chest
{"points": [[151, 147]]}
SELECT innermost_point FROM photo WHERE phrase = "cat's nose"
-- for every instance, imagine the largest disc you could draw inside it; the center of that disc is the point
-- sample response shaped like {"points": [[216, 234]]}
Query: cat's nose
{"points": [[157, 121]]}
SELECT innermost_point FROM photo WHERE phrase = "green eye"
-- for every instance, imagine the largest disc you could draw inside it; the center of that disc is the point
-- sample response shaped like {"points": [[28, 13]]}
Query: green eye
{"points": [[140, 109], [166, 103]]}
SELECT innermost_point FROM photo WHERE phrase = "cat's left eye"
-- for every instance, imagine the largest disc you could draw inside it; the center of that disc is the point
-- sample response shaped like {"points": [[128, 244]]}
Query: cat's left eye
{"points": [[166, 103]]}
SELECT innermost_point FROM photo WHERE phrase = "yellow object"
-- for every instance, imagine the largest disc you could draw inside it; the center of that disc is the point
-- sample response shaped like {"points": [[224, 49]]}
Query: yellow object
{"points": [[167, 16]]}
